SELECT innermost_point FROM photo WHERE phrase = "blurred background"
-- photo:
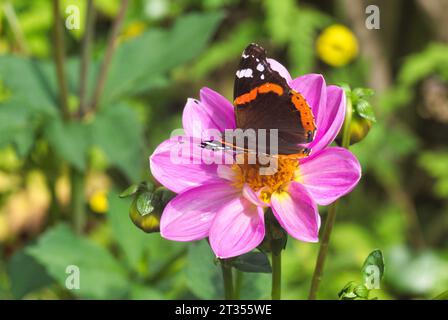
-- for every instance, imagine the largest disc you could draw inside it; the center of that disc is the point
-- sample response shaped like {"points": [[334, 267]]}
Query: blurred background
{"points": [[61, 170]]}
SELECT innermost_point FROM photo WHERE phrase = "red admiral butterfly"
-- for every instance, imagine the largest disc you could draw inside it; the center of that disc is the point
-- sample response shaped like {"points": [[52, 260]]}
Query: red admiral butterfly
{"points": [[264, 100]]}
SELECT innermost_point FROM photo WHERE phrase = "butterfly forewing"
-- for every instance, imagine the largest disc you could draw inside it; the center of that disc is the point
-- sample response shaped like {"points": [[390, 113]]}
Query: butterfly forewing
{"points": [[264, 100]]}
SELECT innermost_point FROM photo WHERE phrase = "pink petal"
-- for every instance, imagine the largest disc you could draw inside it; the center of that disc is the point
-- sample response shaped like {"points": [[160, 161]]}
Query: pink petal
{"points": [[253, 196], [237, 228], [331, 120], [189, 215], [312, 87], [180, 163], [205, 118], [330, 174], [277, 66], [297, 213]]}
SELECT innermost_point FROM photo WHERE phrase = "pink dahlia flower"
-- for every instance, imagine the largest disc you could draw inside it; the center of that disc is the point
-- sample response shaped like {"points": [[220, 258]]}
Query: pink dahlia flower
{"points": [[226, 202]]}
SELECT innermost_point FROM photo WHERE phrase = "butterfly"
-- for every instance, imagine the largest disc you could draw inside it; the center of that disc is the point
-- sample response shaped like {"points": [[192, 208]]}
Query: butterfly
{"points": [[265, 103]]}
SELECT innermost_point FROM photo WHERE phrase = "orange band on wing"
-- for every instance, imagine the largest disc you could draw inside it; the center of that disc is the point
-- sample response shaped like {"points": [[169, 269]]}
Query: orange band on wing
{"points": [[306, 115], [252, 94]]}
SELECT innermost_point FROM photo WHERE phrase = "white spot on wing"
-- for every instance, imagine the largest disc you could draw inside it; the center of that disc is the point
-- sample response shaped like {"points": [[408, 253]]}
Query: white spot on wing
{"points": [[260, 67], [262, 77], [244, 73]]}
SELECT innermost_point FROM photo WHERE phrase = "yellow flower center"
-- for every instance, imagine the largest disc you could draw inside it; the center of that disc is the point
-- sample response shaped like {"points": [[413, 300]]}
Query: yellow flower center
{"points": [[276, 180]]}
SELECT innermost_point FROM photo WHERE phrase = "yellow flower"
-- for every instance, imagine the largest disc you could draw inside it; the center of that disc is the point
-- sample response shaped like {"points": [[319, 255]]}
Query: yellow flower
{"points": [[98, 201], [337, 45], [133, 30]]}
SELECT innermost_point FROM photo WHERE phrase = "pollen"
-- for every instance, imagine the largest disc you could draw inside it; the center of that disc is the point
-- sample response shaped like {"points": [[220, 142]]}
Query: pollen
{"points": [[266, 179]]}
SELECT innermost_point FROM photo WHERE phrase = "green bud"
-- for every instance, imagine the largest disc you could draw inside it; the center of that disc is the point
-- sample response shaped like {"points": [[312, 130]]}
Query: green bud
{"points": [[361, 291], [147, 206], [146, 222], [353, 291], [362, 114]]}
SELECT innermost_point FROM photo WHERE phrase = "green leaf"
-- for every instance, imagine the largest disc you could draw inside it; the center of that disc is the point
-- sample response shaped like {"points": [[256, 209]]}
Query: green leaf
{"points": [[101, 276], [432, 60], [16, 127], [139, 292], [117, 131], [374, 263], [363, 93], [145, 203], [256, 262], [130, 191], [26, 275], [204, 276], [442, 296], [203, 273], [70, 140], [365, 110], [156, 52], [31, 83]]}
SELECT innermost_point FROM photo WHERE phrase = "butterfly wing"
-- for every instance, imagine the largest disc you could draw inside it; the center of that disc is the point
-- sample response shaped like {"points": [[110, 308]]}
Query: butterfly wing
{"points": [[264, 100]]}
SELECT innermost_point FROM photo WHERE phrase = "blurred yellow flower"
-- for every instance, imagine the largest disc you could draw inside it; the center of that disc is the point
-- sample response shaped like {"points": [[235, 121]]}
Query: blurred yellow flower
{"points": [[133, 30], [337, 45], [98, 201]]}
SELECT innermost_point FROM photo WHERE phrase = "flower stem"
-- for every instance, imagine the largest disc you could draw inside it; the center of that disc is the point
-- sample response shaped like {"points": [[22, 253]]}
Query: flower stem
{"points": [[331, 217], [110, 49], [85, 57], [16, 29], [77, 201], [238, 284], [318, 270], [59, 57], [276, 275], [227, 276]]}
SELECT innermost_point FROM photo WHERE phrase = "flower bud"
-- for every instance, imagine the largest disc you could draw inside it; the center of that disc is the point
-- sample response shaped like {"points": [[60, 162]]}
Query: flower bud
{"points": [[362, 115], [359, 128], [353, 291], [147, 205]]}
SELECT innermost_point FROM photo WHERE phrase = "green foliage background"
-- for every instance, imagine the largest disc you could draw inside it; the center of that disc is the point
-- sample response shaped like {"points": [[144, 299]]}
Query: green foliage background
{"points": [[167, 51]]}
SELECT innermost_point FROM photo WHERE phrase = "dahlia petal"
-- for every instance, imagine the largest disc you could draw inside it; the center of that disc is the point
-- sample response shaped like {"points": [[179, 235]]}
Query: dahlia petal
{"points": [[330, 174], [197, 121], [189, 215], [226, 172], [297, 213], [277, 66], [180, 163], [237, 228], [331, 120], [253, 196], [219, 108]]}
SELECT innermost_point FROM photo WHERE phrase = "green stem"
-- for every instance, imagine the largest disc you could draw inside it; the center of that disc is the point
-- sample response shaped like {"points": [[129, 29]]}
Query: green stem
{"points": [[77, 201], [85, 57], [111, 45], [238, 284], [331, 217], [59, 58], [276, 275], [167, 267], [14, 24], [227, 275]]}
